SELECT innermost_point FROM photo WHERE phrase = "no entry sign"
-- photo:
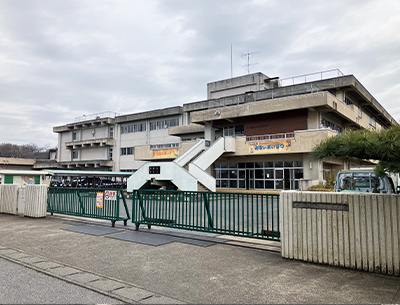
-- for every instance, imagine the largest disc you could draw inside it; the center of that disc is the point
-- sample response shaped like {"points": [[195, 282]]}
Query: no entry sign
{"points": [[110, 195]]}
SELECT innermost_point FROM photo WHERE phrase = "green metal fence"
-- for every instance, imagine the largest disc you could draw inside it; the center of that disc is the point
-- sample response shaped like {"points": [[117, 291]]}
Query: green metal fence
{"points": [[248, 215], [93, 203]]}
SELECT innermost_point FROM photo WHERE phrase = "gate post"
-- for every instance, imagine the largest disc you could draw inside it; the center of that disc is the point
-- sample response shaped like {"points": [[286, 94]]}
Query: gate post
{"points": [[207, 206]]}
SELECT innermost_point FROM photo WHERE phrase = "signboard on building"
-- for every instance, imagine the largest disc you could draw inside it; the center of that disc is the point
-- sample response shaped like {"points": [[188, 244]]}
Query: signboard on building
{"points": [[270, 147], [165, 153]]}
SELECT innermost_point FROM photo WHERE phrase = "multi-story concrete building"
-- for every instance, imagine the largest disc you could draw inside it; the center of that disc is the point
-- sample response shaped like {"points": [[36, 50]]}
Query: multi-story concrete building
{"points": [[258, 133]]}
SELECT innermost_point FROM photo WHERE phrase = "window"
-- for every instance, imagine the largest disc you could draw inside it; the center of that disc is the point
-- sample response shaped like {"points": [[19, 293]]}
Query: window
{"points": [[110, 153], [74, 154], [164, 124], [75, 136], [234, 131], [372, 122], [133, 128], [348, 102], [332, 126], [127, 151], [164, 146], [111, 132], [359, 113]]}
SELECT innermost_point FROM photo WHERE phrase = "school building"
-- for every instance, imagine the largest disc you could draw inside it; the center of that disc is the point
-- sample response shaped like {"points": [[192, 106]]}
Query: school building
{"points": [[252, 132]]}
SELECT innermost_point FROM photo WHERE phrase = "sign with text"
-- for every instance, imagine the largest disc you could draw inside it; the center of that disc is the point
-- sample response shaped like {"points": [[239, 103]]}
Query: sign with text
{"points": [[165, 153], [110, 195], [270, 147], [99, 200]]}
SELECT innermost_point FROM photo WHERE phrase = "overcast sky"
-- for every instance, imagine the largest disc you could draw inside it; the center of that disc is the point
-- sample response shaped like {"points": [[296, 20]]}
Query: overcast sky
{"points": [[61, 59]]}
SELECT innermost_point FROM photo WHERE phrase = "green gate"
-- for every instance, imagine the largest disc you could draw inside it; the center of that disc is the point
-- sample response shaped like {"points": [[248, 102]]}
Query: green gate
{"points": [[92, 203], [247, 215]]}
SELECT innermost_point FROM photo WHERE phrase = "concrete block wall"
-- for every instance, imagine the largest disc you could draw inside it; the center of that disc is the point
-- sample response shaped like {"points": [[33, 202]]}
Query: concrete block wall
{"points": [[357, 231], [35, 201], [9, 199], [29, 201]]}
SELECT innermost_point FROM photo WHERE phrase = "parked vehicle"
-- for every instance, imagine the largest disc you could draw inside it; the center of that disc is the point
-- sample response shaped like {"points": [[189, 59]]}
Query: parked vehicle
{"points": [[363, 180]]}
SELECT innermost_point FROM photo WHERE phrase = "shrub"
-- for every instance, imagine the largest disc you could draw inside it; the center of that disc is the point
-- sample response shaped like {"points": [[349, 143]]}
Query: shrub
{"points": [[320, 188]]}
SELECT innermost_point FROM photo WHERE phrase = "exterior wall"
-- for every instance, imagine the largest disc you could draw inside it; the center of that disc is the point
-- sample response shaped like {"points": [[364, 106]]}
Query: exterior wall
{"points": [[237, 85], [357, 231], [64, 153], [313, 119], [303, 142], [143, 152], [100, 132], [270, 123], [96, 153]]}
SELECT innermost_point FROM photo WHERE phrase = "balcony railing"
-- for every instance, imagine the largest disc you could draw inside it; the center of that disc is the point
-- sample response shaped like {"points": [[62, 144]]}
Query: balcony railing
{"points": [[311, 77], [270, 137], [100, 115]]}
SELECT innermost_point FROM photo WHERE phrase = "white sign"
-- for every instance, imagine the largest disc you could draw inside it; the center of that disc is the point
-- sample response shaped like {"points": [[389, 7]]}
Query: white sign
{"points": [[110, 195]]}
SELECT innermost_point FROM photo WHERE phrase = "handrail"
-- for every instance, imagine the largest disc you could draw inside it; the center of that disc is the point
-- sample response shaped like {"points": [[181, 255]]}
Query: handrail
{"points": [[100, 115], [321, 73]]}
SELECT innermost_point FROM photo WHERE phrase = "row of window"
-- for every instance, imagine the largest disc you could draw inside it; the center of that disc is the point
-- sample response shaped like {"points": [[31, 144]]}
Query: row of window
{"points": [[268, 164], [125, 151], [133, 128], [156, 125], [328, 124], [165, 146], [164, 124], [276, 175]]}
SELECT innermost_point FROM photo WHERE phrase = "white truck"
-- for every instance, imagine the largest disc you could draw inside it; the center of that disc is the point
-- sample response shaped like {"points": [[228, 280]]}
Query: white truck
{"points": [[363, 181]]}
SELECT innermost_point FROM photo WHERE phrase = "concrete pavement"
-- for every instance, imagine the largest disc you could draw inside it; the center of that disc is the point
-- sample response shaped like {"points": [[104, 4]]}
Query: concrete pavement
{"points": [[167, 267], [20, 285]]}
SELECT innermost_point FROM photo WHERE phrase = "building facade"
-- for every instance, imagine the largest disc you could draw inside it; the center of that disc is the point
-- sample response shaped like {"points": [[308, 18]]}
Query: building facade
{"points": [[272, 126]]}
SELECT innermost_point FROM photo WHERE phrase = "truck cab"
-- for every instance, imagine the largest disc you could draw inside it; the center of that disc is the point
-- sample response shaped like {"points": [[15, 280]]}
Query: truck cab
{"points": [[363, 181]]}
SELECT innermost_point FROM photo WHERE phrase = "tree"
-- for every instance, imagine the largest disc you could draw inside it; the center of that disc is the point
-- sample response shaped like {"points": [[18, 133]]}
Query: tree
{"points": [[28, 151], [364, 144]]}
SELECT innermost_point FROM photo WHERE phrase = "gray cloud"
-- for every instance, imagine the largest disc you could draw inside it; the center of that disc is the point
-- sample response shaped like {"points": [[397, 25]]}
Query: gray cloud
{"points": [[62, 59]]}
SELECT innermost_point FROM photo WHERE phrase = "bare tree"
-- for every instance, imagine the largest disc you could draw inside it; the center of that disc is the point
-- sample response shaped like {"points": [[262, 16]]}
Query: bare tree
{"points": [[28, 151]]}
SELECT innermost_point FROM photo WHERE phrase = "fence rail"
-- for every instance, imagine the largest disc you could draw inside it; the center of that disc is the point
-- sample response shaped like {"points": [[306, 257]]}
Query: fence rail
{"points": [[247, 215], [92, 203]]}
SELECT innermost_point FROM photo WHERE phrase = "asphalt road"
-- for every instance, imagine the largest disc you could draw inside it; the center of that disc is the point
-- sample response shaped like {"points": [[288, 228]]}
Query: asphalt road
{"points": [[21, 285]]}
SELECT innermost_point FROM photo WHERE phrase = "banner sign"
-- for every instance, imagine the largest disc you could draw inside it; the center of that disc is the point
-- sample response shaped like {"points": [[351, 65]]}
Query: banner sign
{"points": [[270, 147], [99, 200], [165, 153]]}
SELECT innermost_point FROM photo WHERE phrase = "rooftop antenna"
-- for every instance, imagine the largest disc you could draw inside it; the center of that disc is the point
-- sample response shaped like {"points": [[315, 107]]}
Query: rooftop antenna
{"points": [[231, 63], [247, 57]]}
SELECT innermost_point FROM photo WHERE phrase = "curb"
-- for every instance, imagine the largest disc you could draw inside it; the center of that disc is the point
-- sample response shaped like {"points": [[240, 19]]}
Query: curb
{"points": [[107, 286]]}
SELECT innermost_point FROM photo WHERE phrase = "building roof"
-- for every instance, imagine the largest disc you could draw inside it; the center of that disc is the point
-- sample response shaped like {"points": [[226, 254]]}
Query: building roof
{"points": [[86, 173], [22, 172]]}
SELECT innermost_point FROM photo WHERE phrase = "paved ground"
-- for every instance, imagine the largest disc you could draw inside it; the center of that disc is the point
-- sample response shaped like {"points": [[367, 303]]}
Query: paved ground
{"points": [[20, 285], [189, 268]]}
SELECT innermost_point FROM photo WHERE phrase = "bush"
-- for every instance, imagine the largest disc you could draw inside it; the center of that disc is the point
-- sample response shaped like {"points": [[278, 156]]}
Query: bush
{"points": [[330, 180], [321, 188]]}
